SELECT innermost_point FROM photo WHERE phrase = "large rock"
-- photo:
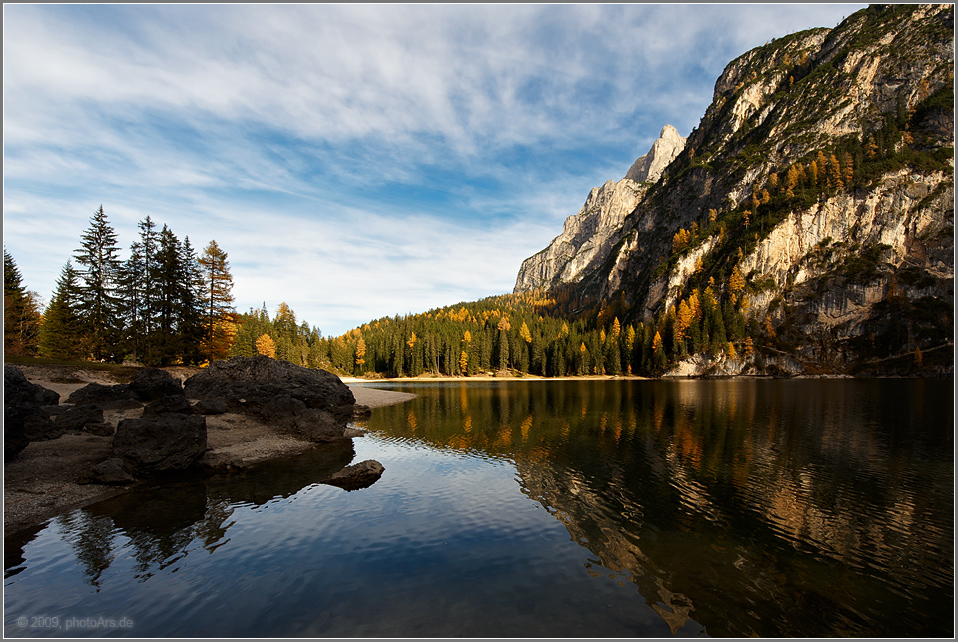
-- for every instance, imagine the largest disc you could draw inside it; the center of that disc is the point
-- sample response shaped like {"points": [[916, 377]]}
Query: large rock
{"points": [[150, 384], [160, 444], [78, 417], [23, 419], [314, 404], [361, 475], [110, 472], [116, 397], [176, 404]]}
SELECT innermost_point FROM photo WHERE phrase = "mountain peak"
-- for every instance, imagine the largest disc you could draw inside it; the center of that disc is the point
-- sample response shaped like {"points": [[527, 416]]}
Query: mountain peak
{"points": [[649, 167]]}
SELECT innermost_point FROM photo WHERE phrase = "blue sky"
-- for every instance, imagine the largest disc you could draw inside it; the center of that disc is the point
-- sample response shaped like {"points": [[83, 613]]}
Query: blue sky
{"points": [[354, 161]]}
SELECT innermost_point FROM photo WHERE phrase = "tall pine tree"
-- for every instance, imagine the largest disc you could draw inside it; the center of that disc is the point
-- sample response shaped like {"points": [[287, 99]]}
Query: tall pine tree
{"points": [[99, 296], [21, 314], [219, 317], [61, 335]]}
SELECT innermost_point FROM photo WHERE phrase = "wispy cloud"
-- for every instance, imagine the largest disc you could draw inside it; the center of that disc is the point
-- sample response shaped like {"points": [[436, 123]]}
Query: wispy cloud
{"points": [[354, 160]]}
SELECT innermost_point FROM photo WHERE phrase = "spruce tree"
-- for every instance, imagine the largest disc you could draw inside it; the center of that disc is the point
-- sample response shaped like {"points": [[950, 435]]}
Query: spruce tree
{"points": [[171, 292], [131, 287], [21, 316], [100, 275], [61, 335], [191, 312]]}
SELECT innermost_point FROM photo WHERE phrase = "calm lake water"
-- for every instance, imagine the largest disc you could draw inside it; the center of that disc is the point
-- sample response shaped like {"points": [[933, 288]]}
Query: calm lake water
{"points": [[800, 508]]}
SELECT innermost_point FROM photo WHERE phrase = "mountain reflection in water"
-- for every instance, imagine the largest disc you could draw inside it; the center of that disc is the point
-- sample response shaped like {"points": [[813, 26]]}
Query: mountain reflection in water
{"points": [[798, 508], [770, 508]]}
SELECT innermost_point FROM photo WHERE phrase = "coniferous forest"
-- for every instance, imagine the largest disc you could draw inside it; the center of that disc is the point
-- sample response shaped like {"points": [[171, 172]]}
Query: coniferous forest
{"points": [[164, 304]]}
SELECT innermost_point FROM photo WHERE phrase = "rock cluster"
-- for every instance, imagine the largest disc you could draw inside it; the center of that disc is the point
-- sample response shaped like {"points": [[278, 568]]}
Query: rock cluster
{"points": [[171, 433], [23, 418]]}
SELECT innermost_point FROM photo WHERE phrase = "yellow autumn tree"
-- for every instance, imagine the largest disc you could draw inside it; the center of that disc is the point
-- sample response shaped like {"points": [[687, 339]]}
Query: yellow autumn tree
{"points": [[220, 319], [835, 173], [524, 333], [848, 168], [791, 181], [463, 362], [683, 320], [265, 346], [360, 353], [736, 282]]}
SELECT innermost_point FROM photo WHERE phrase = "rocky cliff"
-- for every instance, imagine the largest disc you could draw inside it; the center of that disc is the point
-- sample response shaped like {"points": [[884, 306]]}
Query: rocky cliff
{"points": [[585, 237], [807, 223]]}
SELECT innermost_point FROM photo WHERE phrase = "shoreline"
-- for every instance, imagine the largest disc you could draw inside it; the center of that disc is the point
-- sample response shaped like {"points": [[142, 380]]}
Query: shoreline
{"points": [[351, 381], [42, 482]]}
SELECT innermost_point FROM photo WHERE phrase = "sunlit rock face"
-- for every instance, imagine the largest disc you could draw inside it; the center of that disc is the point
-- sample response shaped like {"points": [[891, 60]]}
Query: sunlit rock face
{"points": [[587, 236], [823, 171]]}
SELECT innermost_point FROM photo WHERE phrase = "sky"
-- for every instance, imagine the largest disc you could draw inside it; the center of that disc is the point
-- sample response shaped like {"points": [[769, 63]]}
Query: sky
{"points": [[354, 161]]}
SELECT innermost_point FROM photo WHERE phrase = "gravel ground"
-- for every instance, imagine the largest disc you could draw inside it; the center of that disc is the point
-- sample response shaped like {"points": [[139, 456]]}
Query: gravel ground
{"points": [[41, 482]]}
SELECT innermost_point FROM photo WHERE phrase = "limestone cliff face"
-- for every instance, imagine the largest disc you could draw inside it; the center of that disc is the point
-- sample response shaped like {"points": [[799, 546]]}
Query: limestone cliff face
{"points": [[585, 236], [822, 173]]}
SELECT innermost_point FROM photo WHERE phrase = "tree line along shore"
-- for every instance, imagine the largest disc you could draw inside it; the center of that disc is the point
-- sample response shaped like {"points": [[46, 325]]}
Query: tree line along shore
{"points": [[166, 305]]}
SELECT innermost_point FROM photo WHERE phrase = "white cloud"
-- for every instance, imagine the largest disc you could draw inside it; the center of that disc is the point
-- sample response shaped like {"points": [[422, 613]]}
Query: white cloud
{"points": [[353, 160]]}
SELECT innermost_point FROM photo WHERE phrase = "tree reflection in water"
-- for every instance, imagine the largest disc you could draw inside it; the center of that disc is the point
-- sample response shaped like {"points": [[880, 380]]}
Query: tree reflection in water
{"points": [[165, 521], [759, 507]]}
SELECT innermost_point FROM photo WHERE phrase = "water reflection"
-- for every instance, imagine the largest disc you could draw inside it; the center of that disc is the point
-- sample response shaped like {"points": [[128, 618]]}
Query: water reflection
{"points": [[770, 508], [165, 522]]}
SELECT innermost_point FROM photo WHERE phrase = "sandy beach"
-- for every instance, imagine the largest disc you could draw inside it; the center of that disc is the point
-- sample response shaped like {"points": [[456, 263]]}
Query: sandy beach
{"points": [[42, 481]]}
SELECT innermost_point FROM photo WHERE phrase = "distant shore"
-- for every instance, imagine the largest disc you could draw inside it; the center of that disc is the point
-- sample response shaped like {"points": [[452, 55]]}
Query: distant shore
{"points": [[527, 377]]}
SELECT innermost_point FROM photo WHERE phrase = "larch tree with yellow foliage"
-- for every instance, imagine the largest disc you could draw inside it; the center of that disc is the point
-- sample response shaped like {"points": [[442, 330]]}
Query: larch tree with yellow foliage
{"points": [[219, 316], [265, 346]]}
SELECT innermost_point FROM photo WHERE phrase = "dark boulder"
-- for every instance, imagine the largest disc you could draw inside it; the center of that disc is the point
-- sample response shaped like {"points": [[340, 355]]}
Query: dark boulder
{"points": [[312, 403], [75, 418], [103, 429], [110, 472], [42, 396], [361, 475], [160, 444], [23, 419], [150, 384], [177, 404], [117, 397], [17, 406]]}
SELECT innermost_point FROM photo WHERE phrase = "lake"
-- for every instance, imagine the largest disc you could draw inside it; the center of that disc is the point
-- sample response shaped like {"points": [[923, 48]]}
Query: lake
{"points": [[790, 508]]}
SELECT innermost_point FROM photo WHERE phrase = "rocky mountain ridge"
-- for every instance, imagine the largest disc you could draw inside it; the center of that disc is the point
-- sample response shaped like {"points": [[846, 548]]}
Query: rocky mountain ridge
{"points": [[585, 235], [813, 206]]}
